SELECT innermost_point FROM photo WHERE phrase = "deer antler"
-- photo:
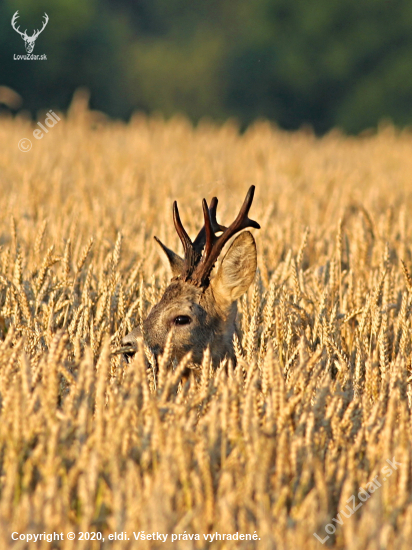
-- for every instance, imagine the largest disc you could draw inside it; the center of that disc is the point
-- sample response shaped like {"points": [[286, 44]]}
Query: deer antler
{"points": [[197, 267], [13, 24], [46, 20], [214, 244], [193, 250], [200, 240]]}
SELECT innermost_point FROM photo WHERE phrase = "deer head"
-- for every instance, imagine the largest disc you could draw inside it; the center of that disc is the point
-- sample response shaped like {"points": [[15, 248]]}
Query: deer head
{"points": [[198, 308], [29, 41]]}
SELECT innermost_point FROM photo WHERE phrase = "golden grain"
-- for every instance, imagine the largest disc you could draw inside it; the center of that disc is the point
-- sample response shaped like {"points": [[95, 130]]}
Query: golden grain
{"points": [[321, 394]]}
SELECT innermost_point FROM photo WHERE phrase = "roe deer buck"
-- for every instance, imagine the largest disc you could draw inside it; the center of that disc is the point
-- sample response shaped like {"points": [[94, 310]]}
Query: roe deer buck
{"points": [[199, 309]]}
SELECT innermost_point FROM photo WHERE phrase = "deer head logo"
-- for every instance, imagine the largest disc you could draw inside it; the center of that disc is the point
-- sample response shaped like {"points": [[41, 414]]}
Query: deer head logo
{"points": [[29, 41]]}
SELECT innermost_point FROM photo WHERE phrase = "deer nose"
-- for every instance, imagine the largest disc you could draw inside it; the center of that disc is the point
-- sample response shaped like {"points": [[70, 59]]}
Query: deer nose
{"points": [[129, 344]]}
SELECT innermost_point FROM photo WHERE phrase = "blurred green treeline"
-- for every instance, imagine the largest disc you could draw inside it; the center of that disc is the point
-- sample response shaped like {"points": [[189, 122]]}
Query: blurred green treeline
{"points": [[326, 63]]}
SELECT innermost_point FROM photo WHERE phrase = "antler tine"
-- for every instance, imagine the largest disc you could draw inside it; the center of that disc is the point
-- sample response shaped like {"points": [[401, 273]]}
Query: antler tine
{"points": [[210, 235], [183, 236], [37, 31], [200, 240], [186, 242], [215, 244], [13, 24], [242, 221], [212, 209]]}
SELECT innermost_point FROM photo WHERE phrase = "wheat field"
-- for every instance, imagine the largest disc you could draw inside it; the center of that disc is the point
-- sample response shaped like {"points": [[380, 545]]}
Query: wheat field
{"points": [[274, 448]]}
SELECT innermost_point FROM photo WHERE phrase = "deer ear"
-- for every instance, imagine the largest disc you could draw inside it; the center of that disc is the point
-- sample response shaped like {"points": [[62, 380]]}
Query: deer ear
{"points": [[237, 270], [175, 262]]}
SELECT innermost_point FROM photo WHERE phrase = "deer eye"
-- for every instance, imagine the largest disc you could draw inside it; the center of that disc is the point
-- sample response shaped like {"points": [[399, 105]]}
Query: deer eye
{"points": [[182, 320]]}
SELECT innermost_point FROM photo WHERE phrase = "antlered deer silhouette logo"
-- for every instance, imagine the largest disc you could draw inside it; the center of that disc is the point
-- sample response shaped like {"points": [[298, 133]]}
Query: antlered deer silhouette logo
{"points": [[29, 41]]}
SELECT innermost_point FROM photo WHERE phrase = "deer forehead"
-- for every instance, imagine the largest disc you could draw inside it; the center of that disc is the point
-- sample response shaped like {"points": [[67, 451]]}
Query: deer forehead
{"points": [[179, 297]]}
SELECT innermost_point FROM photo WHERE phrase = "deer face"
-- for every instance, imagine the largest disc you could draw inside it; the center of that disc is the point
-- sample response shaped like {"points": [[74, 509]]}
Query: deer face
{"points": [[189, 313], [29, 44], [200, 310]]}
